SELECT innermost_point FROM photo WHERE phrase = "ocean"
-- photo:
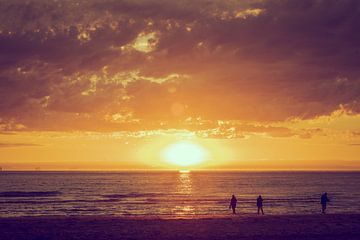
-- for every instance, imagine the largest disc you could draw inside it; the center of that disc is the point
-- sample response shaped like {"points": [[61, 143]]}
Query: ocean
{"points": [[174, 194]]}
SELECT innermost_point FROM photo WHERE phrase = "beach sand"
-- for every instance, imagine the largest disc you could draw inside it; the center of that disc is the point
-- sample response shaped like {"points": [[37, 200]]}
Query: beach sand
{"points": [[330, 226]]}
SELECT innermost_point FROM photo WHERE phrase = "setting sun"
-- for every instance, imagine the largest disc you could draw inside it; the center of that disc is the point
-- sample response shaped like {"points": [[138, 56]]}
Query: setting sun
{"points": [[184, 154]]}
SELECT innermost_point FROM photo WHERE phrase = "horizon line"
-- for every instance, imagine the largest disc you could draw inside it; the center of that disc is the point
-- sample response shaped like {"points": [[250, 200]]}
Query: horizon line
{"points": [[179, 170]]}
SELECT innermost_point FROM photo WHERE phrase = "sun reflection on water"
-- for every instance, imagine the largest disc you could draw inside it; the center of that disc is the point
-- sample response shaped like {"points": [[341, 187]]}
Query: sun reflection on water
{"points": [[184, 186], [184, 191]]}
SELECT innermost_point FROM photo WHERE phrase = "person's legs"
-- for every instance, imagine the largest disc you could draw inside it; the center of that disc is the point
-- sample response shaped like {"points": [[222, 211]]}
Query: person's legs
{"points": [[262, 211], [233, 208], [323, 208], [258, 210]]}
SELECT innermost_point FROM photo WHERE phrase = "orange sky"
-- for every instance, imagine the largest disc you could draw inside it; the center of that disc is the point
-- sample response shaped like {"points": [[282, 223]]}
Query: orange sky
{"points": [[109, 85], [259, 148]]}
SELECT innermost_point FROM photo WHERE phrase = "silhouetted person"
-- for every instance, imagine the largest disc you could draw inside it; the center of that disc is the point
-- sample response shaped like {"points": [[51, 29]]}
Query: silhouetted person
{"points": [[259, 204], [233, 202], [324, 200]]}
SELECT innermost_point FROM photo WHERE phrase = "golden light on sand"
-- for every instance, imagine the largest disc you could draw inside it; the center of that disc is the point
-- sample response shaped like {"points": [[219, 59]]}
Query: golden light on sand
{"points": [[184, 154]]}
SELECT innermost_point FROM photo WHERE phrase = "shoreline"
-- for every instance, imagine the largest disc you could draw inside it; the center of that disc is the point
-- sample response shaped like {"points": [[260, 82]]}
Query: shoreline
{"points": [[316, 226]]}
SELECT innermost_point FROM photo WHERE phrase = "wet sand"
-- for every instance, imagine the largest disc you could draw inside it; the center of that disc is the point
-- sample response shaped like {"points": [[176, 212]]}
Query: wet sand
{"points": [[330, 226]]}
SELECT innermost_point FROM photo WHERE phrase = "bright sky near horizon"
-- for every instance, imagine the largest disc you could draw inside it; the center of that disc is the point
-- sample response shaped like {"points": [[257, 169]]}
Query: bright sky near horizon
{"points": [[236, 84]]}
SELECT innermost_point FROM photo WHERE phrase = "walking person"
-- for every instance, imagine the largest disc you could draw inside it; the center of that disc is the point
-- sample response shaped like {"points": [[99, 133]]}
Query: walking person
{"points": [[324, 200], [259, 203], [233, 202]]}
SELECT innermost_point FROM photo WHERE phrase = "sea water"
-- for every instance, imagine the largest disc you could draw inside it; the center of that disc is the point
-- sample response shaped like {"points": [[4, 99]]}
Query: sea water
{"points": [[174, 194]]}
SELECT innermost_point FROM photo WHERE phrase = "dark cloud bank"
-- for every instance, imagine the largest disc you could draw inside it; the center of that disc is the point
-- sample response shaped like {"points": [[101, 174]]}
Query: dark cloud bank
{"points": [[74, 66]]}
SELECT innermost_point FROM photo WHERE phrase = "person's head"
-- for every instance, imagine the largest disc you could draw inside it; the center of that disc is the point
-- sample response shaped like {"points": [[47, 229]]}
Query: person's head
{"points": [[259, 196], [325, 193], [233, 196]]}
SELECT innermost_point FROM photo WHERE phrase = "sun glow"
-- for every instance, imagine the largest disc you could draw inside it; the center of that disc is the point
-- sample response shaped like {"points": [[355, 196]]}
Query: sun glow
{"points": [[184, 154]]}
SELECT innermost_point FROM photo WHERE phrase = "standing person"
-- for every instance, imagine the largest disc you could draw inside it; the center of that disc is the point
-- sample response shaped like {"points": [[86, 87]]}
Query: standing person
{"points": [[259, 203], [324, 200], [233, 202]]}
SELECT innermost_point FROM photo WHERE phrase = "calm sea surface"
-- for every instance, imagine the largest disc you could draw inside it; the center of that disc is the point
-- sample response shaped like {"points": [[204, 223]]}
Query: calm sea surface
{"points": [[174, 194]]}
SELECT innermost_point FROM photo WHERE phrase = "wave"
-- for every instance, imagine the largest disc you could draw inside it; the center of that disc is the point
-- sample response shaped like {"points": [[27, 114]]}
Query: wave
{"points": [[16, 194], [133, 195], [76, 201]]}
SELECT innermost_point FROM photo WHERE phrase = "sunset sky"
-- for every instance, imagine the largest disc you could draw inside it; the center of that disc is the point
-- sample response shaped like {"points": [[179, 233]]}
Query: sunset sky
{"points": [[110, 85]]}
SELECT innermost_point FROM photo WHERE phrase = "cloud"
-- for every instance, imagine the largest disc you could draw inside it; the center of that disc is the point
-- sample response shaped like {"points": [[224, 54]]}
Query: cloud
{"points": [[354, 144], [140, 65], [11, 145], [10, 125]]}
